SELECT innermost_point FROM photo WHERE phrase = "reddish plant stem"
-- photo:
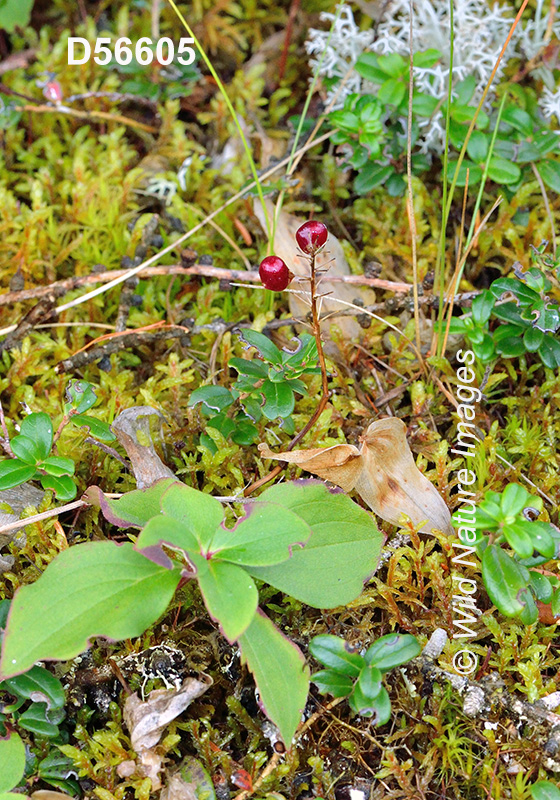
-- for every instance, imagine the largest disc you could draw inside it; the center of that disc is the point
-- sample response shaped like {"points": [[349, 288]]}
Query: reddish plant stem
{"points": [[316, 327]]}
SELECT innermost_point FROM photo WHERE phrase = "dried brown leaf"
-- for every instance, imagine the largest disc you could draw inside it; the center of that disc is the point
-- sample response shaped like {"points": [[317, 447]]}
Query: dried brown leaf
{"points": [[147, 719], [132, 429], [382, 471]]}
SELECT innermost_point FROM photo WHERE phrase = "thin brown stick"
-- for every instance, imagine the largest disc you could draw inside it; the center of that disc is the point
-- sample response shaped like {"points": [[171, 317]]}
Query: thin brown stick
{"points": [[90, 115]]}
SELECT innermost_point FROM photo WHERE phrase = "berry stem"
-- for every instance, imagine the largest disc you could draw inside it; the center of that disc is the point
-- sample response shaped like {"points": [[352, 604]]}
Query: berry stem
{"points": [[316, 327]]}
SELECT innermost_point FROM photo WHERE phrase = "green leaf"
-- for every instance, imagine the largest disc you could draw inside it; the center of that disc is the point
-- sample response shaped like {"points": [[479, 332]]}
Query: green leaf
{"points": [[555, 604], [36, 720], [475, 173], [505, 581], [97, 427], [368, 707], [199, 512], [335, 653], [262, 343], [545, 790], [330, 682], [229, 593], [510, 347], [549, 351], [343, 550], [368, 67], [345, 120], [550, 173], [64, 487], [393, 65], [213, 398], [26, 449], [133, 509], [13, 472], [392, 650], [38, 427], [169, 531], [371, 176], [502, 171], [464, 90], [514, 499], [244, 366], [80, 396], [482, 307], [92, 589], [12, 762], [366, 690], [518, 539], [424, 104], [426, 58], [58, 465], [541, 586], [478, 146], [266, 536], [542, 535], [392, 92], [280, 673], [15, 13], [532, 339], [279, 399], [37, 684], [55, 765], [518, 119]]}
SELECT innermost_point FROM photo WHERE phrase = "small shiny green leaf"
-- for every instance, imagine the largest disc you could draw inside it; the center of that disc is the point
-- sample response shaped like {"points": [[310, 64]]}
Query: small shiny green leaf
{"points": [[279, 399], [35, 719], [80, 396], [64, 487], [97, 427], [505, 581], [37, 684], [26, 449], [213, 398], [541, 586], [330, 682], [38, 427], [14, 472], [392, 650], [58, 465], [336, 654], [262, 343]]}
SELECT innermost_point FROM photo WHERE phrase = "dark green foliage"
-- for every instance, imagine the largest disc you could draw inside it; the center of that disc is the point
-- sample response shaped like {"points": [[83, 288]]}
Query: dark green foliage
{"points": [[265, 387], [358, 677]]}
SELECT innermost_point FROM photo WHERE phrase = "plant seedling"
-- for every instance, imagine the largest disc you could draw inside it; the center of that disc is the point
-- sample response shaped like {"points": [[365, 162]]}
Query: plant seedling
{"points": [[359, 677], [512, 586]]}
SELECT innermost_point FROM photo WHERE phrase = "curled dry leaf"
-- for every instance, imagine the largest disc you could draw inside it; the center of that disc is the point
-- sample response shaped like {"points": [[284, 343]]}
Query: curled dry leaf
{"points": [[147, 719], [332, 256], [132, 429], [382, 471]]}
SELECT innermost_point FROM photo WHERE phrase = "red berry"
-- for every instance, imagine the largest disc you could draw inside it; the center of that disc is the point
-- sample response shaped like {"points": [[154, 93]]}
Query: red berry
{"points": [[311, 236], [274, 274]]}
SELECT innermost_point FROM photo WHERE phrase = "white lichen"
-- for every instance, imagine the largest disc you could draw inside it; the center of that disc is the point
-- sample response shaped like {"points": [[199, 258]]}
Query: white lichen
{"points": [[480, 31]]}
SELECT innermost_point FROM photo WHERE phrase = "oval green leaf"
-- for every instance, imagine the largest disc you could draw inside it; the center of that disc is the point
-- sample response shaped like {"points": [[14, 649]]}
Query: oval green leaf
{"points": [[93, 589]]}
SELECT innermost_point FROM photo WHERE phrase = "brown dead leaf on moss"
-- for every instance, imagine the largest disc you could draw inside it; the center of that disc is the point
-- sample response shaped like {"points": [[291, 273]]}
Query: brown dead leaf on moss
{"points": [[382, 471]]}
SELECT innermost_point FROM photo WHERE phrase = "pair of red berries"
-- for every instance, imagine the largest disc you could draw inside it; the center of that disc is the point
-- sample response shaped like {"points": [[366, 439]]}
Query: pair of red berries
{"points": [[274, 273]]}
